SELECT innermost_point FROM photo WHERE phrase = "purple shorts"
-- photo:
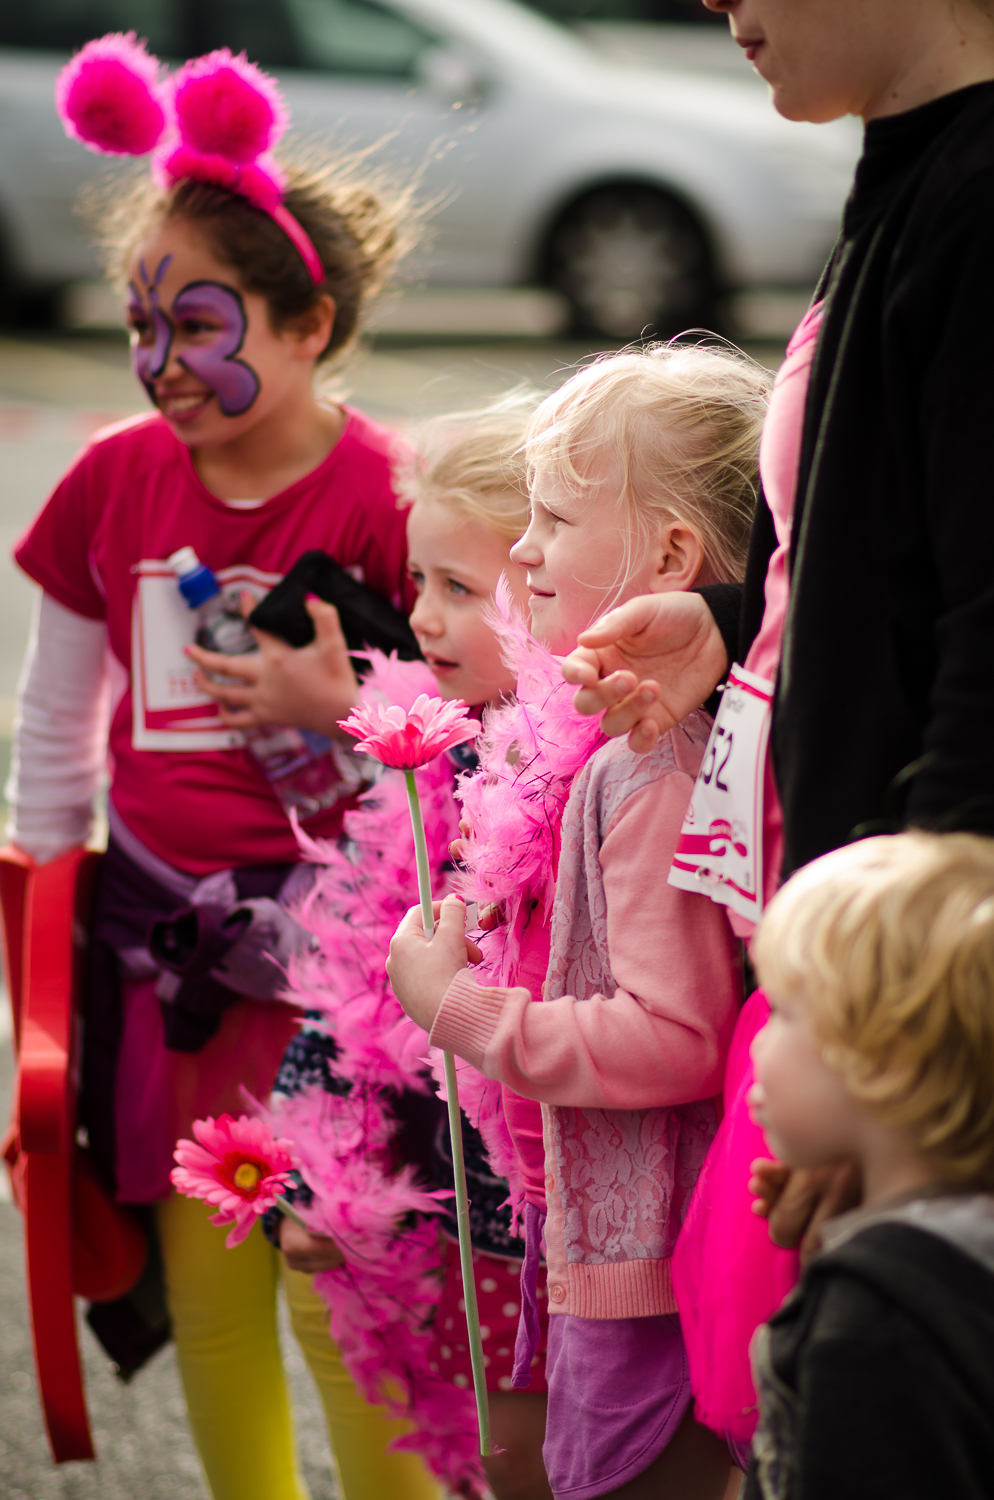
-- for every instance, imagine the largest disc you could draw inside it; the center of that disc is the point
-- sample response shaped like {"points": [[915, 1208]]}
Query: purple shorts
{"points": [[618, 1390]]}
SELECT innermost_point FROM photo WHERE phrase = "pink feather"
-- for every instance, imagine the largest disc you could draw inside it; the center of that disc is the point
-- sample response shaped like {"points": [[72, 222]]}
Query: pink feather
{"points": [[226, 106], [109, 97], [380, 1303], [530, 751]]}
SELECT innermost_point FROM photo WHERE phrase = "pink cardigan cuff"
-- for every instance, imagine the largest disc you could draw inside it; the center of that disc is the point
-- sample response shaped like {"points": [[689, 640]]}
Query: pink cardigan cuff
{"points": [[467, 1018]]}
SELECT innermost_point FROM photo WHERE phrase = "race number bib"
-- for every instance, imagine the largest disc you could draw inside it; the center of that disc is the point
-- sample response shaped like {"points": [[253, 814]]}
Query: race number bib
{"points": [[720, 850]]}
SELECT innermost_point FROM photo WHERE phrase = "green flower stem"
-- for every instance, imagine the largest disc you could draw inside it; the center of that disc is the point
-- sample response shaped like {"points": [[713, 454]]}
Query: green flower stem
{"points": [[290, 1212], [455, 1139]]}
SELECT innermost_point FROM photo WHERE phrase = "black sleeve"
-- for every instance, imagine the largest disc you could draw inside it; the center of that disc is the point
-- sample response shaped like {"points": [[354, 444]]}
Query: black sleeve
{"points": [[724, 600], [882, 1415], [762, 545], [940, 363]]}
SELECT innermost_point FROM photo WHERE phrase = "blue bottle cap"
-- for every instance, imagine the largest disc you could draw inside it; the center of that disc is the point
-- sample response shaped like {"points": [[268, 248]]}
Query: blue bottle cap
{"points": [[196, 581]]}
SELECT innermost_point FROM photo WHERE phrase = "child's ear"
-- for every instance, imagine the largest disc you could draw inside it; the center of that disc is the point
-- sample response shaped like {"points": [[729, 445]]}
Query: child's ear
{"points": [[311, 330], [679, 560]]}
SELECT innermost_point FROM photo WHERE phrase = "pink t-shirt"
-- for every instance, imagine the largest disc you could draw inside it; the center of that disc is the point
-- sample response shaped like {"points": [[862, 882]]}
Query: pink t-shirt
{"points": [[100, 546], [779, 456]]}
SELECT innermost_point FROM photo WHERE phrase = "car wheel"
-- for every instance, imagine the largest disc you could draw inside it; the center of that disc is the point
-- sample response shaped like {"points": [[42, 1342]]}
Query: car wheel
{"points": [[633, 263]]}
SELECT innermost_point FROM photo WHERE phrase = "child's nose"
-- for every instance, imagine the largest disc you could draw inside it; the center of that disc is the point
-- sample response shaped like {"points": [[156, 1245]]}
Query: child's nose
{"points": [[424, 619], [525, 552]]}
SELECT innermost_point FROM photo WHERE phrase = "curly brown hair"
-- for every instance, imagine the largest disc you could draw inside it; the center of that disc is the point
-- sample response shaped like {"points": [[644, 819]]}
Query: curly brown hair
{"points": [[360, 226]]}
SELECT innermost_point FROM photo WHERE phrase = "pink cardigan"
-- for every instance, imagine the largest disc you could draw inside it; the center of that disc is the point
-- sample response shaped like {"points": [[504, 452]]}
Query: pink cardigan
{"points": [[627, 1051]]}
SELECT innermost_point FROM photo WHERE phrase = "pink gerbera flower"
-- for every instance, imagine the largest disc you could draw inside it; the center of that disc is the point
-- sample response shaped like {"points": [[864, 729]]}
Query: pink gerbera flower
{"points": [[239, 1167], [408, 740]]}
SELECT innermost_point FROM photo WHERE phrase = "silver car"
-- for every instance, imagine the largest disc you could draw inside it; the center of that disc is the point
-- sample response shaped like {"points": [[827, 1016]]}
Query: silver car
{"points": [[643, 196]]}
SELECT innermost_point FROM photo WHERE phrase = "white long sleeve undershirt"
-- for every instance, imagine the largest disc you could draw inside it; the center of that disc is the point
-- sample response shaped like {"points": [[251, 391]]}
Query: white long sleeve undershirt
{"points": [[60, 732]]}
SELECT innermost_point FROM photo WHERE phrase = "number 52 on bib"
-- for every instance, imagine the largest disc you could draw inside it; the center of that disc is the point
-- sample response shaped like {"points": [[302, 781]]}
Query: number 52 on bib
{"points": [[720, 849]]}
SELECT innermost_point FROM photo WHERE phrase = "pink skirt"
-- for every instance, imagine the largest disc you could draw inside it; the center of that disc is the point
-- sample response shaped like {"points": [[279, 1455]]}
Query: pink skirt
{"points": [[728, 1276]]}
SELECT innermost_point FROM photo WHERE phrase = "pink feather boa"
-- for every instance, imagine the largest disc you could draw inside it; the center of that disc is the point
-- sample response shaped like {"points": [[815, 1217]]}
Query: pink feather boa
{"points": [[381, 1301], [531, 749]]}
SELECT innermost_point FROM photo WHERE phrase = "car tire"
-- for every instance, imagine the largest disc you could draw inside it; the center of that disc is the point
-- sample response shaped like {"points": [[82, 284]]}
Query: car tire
{"points": [[633, 262]]}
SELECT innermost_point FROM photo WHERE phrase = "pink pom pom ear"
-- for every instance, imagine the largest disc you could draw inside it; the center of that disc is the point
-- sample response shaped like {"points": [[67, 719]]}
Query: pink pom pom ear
{"points": [[108, 96], [225, 106]]}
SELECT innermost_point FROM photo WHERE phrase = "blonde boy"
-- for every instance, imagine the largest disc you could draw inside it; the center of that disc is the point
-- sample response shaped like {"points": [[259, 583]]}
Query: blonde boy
{"points": [[876, 1378]]}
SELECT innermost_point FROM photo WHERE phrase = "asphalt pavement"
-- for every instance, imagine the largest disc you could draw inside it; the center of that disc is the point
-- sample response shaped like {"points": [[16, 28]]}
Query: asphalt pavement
{"points": [[55, 391]]}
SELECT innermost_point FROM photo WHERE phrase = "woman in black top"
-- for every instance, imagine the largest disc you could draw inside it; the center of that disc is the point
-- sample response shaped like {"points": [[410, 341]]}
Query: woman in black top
{"points": [[884, 711], [884, 703]]}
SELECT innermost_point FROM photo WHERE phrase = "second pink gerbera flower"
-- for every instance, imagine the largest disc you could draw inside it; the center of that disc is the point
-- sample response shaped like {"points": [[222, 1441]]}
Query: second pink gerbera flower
{"points": [[238, 1166], [408, 740]]}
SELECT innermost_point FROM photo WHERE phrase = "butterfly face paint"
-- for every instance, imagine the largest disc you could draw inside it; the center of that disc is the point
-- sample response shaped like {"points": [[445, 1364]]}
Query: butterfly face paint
{"points": [[149, 363], [234, 382], [213, 357]]}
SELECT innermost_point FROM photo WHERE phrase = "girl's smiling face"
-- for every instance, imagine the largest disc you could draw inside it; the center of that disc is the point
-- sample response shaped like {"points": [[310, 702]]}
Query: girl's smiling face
{"points": [[456, 564], [578, 564], [203, 347]]}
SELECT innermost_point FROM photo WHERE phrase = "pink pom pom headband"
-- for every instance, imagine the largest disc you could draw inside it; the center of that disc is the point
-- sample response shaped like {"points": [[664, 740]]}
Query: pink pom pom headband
{"points": [[216, 121]]}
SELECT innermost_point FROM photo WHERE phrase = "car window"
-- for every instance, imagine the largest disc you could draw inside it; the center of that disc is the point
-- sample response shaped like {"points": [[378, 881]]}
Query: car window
{"points": [[358, 37], [62, 25]]}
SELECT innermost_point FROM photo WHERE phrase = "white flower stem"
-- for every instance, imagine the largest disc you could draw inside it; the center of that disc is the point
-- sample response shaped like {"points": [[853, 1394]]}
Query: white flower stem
{"points": [[455, 1139]]}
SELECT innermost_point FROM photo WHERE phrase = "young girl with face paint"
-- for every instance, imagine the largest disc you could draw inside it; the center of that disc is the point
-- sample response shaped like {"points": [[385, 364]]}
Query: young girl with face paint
{"points": [[352, 1062], [240, 281], [642, 476]]}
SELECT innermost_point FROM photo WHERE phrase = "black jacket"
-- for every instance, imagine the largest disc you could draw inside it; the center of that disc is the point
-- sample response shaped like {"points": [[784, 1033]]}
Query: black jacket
{"points": [[884, 709], [876, 1378]]}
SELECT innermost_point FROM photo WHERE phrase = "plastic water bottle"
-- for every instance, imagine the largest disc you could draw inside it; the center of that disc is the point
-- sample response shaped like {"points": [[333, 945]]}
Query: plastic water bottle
{"points": [[306, 770]]}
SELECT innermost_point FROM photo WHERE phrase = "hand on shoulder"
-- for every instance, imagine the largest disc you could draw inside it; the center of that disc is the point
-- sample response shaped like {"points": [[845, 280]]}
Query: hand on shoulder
{"points": [[647, 664]]}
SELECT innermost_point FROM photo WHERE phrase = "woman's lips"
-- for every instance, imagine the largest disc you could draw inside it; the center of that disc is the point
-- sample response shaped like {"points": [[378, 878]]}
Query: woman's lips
{"points": [[750, 46]]}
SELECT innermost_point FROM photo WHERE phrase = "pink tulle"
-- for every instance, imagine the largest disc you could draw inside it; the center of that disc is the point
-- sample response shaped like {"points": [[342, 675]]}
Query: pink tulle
{"points": [[226, 106], [381, 1300], [109, 98], [728, 1276]]}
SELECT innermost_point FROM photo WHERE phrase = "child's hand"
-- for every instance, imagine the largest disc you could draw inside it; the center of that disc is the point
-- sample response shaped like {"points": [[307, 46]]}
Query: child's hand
{"points": [[647, 664], [799, 1201], [309, 688], [308, 1252], [419, 968]]}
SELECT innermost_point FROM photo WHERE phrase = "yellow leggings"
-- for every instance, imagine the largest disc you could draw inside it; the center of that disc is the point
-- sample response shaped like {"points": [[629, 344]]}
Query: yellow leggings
{"points": [[223, 1305]]}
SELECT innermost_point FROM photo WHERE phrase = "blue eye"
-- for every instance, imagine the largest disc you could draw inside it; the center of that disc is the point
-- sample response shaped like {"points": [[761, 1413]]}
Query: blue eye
{"points": [[418, 579], [456, 587]]}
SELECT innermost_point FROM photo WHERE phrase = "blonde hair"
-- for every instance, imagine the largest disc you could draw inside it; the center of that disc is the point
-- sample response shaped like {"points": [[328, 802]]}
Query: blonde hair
{"points": [[890, 942], [474, 461], [680, 425]]}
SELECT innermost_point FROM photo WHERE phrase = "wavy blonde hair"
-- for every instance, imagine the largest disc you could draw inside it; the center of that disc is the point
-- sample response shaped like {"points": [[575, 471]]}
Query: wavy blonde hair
{"points": [[679, 426], [474, 461], [890, 945]]}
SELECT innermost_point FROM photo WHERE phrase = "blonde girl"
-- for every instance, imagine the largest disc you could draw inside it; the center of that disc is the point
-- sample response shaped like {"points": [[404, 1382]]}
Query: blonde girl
{"points": [[465, 486], [642, 479]]}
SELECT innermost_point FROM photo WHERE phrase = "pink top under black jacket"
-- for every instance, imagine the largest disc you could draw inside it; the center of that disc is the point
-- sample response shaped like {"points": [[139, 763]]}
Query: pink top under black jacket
{"points": [[627, 1052]]}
